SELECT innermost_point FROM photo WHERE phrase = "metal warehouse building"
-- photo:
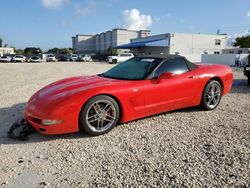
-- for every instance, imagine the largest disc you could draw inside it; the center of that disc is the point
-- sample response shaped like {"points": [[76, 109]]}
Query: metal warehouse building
{"points": [[100, 43]]}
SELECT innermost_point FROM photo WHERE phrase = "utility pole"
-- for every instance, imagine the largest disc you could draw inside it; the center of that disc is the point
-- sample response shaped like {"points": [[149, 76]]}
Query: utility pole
{"points": [[218, 31]]}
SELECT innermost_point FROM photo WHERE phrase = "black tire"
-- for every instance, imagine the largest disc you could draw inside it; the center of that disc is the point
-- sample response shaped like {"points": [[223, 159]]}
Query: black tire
{"points": [[115, 61], [91, 128], [206, 96]]}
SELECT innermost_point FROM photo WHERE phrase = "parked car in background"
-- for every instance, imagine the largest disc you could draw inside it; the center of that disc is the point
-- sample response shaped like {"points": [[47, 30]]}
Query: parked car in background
{"points": [[5, 59], [35, 59], [84, 58], [247, 70], [73, 57], [19, 58], [63, 58], [119, 58], [51, 57]]}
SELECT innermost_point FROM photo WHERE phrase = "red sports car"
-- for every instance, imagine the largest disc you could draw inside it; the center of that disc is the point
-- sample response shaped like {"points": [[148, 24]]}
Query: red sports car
{"points": [[140, 87]]}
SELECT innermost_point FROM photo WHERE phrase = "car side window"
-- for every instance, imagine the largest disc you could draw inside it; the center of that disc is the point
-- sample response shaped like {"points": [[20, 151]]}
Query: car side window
{"points": [[175, 66]]}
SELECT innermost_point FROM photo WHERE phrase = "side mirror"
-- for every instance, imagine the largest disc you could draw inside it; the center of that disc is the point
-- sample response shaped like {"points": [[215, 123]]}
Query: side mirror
{"points": [[163, 76], [166, 75]]}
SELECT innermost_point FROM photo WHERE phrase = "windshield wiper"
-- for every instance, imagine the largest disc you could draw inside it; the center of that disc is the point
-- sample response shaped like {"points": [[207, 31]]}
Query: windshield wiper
{"points": [[101, 75]]}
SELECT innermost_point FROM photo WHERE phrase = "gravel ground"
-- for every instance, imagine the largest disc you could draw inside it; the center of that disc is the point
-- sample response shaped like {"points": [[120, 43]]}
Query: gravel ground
{"points": [[184, 148]]}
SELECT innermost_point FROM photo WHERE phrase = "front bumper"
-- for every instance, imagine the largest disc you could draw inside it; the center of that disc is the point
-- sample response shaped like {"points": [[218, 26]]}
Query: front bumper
{"points": [[68, 125]]}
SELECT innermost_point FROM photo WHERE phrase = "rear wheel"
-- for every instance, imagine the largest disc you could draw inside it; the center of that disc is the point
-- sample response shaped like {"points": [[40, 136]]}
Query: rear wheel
{"points": [[99, 115], [211, 95], [115, 61]]}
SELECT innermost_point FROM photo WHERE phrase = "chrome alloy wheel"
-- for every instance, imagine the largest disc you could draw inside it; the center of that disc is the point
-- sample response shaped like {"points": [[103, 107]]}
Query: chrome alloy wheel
{"points": [[101, 115], [213, 95]]}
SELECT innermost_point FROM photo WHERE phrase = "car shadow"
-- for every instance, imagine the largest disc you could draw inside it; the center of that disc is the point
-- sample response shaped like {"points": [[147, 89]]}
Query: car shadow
{"points": [[240, 86], [10, 115]]}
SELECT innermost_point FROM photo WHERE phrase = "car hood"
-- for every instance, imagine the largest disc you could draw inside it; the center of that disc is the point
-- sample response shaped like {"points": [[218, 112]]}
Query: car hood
{"points": [[70, 86]]}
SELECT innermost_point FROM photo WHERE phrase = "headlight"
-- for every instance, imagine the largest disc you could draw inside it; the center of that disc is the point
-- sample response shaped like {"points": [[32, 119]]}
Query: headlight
{"points": [[51, 122]]}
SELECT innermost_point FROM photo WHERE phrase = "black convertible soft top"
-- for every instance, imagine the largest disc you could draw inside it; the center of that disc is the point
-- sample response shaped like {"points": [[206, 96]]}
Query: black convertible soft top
{"points": [[190, 65]]}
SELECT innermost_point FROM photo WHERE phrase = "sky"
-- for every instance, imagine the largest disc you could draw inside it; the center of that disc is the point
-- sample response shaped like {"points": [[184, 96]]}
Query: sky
{"points": [[52, 23]]}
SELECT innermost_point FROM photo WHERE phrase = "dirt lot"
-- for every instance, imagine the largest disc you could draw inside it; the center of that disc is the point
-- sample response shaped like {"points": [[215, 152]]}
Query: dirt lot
{"points": [[185, 148]]}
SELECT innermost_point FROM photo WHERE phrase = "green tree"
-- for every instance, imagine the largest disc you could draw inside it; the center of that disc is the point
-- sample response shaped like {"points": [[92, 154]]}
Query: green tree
{"points": [[112, 51], [53, 51], [32, 50], [60, 51], [1, 42], [28, 51], [19, 51], [65, 51], [242, 42]]}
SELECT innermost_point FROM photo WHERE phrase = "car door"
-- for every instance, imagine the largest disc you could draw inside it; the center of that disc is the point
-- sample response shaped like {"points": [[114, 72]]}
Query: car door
{"points": [[122, 57], [175, 92]]}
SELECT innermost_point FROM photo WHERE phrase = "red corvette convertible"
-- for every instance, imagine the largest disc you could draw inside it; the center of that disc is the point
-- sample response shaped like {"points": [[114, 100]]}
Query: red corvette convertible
{"points": [[140, 87]]}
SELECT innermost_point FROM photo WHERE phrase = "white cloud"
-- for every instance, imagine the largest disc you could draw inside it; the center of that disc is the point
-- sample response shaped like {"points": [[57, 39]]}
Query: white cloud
{"points": [[82, 11], [157, 19], [64, 23], [134, 20], [53, 4], [85, 9], [248, 14]]}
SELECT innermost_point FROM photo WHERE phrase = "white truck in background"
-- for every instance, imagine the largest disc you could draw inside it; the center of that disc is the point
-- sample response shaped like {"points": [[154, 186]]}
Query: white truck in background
{"points": [[119, 58]]}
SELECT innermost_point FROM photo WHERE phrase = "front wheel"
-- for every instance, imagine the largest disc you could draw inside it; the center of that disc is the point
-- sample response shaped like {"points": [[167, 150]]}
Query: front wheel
{"points": [[248, 80], [99, 115], [211, 95]]}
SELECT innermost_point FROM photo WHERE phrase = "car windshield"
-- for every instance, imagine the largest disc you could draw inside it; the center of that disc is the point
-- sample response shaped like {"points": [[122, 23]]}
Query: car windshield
{"points": [[50, 55], [133, 69], [35, 57]]}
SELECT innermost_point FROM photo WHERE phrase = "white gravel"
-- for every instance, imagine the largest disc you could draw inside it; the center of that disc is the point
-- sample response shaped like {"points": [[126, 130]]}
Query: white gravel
{"points": [[184, 148]]}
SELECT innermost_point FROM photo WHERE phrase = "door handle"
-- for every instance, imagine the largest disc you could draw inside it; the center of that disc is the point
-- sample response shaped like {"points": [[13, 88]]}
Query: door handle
{"points": [[191, 77]]}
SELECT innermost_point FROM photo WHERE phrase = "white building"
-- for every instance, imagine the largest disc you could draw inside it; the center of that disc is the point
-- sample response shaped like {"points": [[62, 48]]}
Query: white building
{"points": [[84, 43], [197, 43], [178, 43], [6, 51], [192, 46], [100, 43]]}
